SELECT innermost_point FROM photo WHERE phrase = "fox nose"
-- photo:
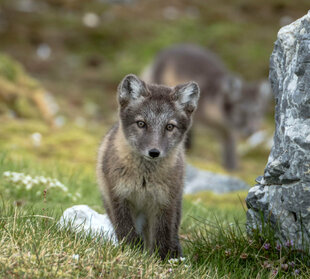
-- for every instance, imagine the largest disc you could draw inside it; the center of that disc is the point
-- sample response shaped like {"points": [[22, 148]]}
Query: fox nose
{"points": [[154, 153]]}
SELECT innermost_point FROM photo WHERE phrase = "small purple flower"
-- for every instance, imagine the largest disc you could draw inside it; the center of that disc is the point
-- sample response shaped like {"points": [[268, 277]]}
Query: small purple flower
{"points": [[279, 246], [289, 243], [266, 246], [291, 264], [296, 271]]}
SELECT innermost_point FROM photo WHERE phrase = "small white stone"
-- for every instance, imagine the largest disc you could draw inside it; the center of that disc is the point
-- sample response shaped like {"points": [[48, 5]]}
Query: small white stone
{"points": [[60, 121], [44, 51], [91, 20], [171, 13], [83, 219]]}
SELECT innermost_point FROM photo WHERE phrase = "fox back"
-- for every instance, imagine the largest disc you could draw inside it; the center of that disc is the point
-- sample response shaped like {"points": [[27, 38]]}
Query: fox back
{"points": [[239, 104]]}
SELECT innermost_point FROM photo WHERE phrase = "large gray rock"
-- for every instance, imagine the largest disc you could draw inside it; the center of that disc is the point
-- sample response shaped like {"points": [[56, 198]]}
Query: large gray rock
{"points": [[197, 180], [282, 195]]}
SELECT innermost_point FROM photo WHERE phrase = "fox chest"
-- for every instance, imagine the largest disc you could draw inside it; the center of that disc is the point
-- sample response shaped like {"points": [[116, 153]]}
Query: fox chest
{"points": [[143, 190]]}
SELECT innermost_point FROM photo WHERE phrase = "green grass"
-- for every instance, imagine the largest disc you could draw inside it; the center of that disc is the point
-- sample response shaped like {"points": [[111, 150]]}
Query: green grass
{"points": [[213, 226], [212, 234], [32, 246]]}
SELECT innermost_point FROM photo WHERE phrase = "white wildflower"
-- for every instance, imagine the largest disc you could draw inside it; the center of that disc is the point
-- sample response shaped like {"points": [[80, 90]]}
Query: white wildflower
{"points": [[28, 186], [16, 177], [60, 185], [173, 261], [76, 257], [42, 179], [35, 181], [28, 182], [27, 179], [6, 174]]}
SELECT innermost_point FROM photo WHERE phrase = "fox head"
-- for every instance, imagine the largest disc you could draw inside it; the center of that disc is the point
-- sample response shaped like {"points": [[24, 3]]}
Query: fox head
{"points": [[155, 118]]}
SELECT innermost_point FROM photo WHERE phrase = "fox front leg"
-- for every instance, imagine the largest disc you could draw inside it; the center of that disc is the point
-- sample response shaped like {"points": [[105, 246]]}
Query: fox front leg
{"points": [[166, 236], [123, 223], [230, 160]]}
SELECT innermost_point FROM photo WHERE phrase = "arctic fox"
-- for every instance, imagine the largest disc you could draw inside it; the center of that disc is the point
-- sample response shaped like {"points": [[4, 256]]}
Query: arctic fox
{"points": [[227, 104], [141, 163]]}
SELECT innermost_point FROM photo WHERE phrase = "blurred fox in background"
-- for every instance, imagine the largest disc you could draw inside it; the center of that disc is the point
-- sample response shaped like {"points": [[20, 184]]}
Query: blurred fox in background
{"points": [[228, 105]]}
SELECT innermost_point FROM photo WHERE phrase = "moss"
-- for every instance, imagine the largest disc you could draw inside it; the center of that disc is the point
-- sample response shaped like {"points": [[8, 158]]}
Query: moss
{"points": [[21, 93], [72, 145], [9, 69], [14, 72]]}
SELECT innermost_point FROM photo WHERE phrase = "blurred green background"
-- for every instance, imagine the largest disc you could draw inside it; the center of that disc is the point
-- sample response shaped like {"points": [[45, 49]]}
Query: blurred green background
{"points": [[60, 64], [78, 51]]}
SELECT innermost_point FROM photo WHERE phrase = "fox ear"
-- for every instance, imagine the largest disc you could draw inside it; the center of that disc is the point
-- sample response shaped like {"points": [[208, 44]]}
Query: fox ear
{"points": [[130, 89], [187, 95]]}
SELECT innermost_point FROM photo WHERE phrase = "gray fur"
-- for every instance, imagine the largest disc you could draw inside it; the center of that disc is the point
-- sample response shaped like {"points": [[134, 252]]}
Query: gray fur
{"points": [[230, 106], [143, 195]]}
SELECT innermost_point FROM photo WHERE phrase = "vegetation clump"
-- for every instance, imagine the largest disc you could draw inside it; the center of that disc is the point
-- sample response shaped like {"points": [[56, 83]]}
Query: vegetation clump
{"points": [[21, 95]]}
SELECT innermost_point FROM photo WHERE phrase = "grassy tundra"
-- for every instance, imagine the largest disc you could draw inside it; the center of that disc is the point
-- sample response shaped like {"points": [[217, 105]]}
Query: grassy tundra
{"points": [[44, 170], [212, 234]]}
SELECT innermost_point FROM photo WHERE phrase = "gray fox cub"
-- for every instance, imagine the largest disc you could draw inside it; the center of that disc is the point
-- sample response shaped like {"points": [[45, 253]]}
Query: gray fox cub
{"points": [[141, 163]]}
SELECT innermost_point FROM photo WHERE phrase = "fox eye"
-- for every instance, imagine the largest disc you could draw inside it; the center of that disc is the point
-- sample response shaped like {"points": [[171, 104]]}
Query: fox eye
{"points": [[141, 124], [169, 127]]}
